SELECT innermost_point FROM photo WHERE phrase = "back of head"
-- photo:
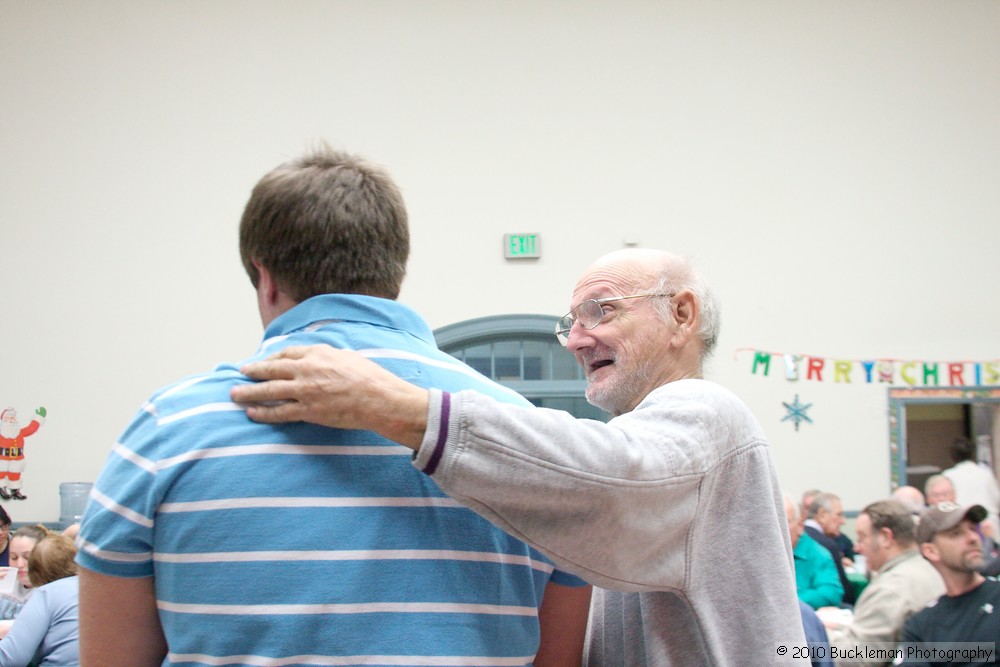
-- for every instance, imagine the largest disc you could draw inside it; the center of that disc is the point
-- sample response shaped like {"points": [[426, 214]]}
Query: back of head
{"points": [[807, 499], [911, 497], [895, 516], [822, 500], [962, 449], [52, 559], [327, 223]]}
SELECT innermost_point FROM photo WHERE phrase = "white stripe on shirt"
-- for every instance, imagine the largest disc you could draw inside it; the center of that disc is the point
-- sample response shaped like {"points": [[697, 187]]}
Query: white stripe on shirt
{"points": [[346, 608], [348, 555], [283, 449], [223, 406], [120, 510], [339, 661], [302, 502], [117, 556]]}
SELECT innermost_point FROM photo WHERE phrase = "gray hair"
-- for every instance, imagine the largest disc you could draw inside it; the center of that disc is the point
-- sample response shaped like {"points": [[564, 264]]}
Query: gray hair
{"points": [[791, 503], [682, 275], [822, 501], [934, 480]]}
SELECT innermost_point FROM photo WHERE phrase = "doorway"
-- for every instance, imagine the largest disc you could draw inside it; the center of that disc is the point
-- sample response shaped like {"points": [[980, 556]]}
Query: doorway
{"points": [[923, 423]]}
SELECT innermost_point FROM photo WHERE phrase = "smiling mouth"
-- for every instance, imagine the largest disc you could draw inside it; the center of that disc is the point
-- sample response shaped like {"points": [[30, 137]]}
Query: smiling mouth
{"points": [[597, 365]]}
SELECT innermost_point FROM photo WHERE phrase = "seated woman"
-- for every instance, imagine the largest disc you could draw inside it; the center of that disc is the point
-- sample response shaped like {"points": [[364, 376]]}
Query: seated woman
{"points": [[22, 541], [4, 538], [47, 631]]}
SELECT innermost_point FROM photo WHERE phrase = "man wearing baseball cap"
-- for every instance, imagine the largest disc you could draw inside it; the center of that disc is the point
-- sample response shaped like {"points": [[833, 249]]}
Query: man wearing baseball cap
{"points": [[969, 611]]}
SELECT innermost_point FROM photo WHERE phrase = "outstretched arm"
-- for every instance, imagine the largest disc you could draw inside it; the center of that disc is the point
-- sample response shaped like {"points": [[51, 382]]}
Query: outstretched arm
{"points": [[338, 388]]}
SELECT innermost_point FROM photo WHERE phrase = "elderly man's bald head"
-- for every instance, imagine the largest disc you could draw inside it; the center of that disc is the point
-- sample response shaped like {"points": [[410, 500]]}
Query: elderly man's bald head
{"points": [[659, 271], [639, 319], [910, 496]]}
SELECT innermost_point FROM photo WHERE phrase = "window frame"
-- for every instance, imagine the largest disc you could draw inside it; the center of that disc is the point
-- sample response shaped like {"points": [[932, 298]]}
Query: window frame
{"points": [[454, 338]]}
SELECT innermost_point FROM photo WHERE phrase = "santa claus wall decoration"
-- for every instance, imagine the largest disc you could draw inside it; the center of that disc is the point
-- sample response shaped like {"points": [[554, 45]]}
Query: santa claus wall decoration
{"points": [[12, 437]]}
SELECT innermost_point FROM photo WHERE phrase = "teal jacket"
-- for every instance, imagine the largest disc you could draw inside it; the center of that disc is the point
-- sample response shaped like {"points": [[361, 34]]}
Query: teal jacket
{"points": [[816, 578]]}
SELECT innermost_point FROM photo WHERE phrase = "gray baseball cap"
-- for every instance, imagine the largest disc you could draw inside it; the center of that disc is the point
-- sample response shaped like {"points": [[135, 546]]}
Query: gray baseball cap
{"points": [[945, 516]]}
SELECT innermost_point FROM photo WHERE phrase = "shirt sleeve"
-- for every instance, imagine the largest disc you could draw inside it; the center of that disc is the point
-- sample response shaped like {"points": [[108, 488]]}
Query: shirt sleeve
{"points": [[116, 532], [28, 631], [614, 502]]}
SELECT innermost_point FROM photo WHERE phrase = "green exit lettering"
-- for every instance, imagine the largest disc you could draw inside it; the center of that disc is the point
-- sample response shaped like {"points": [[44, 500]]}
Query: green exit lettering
{"points": [[521, 245]]}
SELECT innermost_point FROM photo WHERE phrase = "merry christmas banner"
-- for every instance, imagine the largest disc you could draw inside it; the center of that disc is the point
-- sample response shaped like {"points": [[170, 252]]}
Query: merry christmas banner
{"points": [[912, 372]]}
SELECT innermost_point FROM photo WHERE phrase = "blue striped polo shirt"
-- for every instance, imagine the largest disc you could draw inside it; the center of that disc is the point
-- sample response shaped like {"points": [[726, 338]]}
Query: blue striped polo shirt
{"points": [[298, 544]]}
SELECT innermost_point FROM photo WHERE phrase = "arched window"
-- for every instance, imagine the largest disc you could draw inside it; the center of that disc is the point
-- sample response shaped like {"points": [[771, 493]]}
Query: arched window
{"points": [[521, 352]]}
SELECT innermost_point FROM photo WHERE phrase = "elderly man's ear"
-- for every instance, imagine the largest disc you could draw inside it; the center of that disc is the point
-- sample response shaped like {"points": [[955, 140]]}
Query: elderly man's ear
{"points": [[687, 314]]}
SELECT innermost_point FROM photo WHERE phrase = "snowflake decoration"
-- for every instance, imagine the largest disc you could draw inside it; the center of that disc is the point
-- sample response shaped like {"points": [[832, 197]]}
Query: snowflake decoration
{"points": [[797, 412]]}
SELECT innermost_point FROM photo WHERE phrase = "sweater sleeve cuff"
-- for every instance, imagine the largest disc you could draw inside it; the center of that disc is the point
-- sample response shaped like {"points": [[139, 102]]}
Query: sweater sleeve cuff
{"points": [[432, 447]]}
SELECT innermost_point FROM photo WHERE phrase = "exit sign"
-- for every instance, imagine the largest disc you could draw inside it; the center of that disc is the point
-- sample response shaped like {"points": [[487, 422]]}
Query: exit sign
{"points": [[522, 246]]}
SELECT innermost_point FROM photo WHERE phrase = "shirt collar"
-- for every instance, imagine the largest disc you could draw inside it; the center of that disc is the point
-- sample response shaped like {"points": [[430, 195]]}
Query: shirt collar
{"points": [[356, 308]]}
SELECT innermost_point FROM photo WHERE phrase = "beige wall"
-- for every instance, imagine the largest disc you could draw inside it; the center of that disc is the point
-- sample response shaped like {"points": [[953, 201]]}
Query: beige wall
{"points": [[833, 166]]}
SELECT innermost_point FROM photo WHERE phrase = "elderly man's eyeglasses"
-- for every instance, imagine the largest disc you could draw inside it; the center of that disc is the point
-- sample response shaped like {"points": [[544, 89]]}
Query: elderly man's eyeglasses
{"points": [[590, 313]]}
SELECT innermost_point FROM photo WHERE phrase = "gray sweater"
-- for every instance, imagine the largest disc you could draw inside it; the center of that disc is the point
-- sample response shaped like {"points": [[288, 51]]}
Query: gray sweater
{"points": [[657, 508]]}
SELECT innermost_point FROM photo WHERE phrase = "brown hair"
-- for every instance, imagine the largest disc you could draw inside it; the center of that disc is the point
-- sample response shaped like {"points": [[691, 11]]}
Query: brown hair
{"points": [[51, 559], [895, 516], [36, 532], [327, 223]]}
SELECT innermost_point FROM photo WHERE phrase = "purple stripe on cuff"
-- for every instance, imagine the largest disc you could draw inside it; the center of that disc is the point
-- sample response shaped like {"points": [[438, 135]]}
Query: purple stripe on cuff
{"points": [[438, 452]]}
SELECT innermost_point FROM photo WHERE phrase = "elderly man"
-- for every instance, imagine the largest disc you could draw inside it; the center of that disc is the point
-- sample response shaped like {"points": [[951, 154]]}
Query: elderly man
{"points": [[823, 522], [816, 577], [912, 497], [642, 506], [214, 540], [969, 611], [904, 585], [939, 489], [975, 483]]}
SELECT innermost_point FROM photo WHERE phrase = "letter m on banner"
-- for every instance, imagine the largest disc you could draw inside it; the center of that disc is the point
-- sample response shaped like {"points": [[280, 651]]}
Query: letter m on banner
{"points": [[762, 358]]}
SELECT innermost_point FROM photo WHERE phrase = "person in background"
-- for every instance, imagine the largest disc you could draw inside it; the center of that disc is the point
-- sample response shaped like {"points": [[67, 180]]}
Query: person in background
{"points": [[22, 541], [345, 553], [640, 505], [975, 484], [46, 632], [4, 538], [819, 644], [807, 501], [939, 489], [969, 611], [823, 523], [846, 546], [816, 580], [904, 585], [911, 497]]}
